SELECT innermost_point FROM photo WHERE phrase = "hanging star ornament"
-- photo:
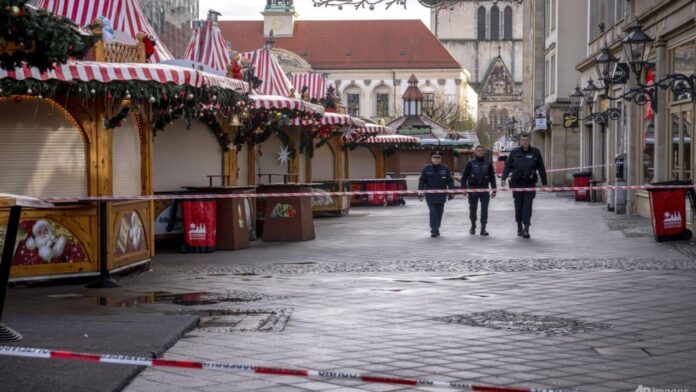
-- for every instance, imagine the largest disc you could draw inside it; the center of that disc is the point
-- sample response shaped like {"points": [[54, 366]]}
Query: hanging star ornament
{"points": [[283, 156], [347, 133]]}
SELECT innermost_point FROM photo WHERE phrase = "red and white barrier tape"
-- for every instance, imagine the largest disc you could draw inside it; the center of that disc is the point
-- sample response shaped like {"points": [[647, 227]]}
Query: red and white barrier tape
{"points": [[28, 352], [548, 189], [577, 168]]}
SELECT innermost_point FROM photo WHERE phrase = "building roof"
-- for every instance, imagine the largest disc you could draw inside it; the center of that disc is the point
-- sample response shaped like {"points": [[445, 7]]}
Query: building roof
{"points": [[351, 44]]}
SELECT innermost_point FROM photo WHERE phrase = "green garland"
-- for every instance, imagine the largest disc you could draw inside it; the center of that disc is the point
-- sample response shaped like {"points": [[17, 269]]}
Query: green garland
{"points": [[38, 38], [116, 120]]}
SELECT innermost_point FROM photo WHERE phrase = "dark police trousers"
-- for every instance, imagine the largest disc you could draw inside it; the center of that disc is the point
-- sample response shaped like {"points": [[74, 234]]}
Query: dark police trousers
{"points": [[436, 211], [523, 206], [485, 198]]}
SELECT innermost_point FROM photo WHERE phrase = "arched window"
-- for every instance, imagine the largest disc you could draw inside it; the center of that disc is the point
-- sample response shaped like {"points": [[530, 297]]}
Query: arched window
{"points": [[481, 20], [495, 23], [507, 23], [493, 115]]}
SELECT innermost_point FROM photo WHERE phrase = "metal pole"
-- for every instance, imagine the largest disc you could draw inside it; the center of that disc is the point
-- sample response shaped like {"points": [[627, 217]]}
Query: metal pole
{"points": [[104, 281], [7, 334]]}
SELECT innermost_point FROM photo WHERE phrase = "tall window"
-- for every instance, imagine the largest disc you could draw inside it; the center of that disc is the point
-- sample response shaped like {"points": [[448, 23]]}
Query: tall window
{"points": [[481, 23], [428, 102], [495, 23], [495, 120], [552, 70], [354, 104], [507, 23], [595, 17], [382, 101], [547, 80], [553, 15]]}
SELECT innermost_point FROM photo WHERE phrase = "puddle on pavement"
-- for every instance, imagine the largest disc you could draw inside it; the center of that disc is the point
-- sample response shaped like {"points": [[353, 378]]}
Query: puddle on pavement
{"points": [[216, 275], [183, 299], [469, 276], [392, 290], [246, 274], [298, 263]]}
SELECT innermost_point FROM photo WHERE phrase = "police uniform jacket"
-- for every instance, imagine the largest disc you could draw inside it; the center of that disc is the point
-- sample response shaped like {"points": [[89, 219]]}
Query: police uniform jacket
{"points": [[522, 167], [436, 177], [478, 174]]}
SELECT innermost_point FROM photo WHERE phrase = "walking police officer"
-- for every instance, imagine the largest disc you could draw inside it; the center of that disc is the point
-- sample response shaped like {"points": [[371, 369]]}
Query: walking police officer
{"points": [[479, 174], [524, 163], [436, 176]]}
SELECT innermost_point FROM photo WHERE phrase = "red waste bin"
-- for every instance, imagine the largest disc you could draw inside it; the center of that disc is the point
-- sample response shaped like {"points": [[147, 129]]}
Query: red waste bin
{"points": [[377, 199], [199, 219], [579, 180], [668, 210]]}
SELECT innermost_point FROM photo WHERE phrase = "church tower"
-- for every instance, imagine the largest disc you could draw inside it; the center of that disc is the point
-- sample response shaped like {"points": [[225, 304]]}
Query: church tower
{"points": [[486, 38], [279, 16]]}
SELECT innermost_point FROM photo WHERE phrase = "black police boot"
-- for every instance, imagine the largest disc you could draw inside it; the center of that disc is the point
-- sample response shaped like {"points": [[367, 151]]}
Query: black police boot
{"points": [[483, 229], [525, 234], [473, 228], [520, 231], [434, 233]]}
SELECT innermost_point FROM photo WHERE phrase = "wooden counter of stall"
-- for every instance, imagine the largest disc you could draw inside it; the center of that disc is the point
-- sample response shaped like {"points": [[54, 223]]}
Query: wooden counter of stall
{"points": [[285, 218], [64, 241]]}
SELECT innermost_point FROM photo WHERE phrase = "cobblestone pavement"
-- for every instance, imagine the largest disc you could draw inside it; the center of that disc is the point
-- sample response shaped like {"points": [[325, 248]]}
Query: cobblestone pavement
{"points": [[579, 306]]}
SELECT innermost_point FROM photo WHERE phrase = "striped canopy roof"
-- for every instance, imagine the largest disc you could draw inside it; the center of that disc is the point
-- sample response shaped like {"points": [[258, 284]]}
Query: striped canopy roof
{"points": [[207, 46], [275, 82], [125, 16], [315, 82], [86, 71]]}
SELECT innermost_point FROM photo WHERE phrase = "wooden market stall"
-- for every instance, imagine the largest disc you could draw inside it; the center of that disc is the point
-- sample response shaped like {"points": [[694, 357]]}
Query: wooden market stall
{"points": [[80, 129]]}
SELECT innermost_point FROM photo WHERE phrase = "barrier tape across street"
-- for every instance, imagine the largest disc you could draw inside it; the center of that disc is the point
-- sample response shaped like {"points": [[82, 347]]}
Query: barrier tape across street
{"points": [[458, 191], [29, 352]]}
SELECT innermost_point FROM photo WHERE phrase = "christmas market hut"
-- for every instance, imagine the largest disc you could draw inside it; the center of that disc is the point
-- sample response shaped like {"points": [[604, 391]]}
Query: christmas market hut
{"points": [[407, 161], [73, 130]]}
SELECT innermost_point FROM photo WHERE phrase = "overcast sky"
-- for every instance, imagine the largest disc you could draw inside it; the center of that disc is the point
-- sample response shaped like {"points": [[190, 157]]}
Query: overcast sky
{"points": [[251, 10]]}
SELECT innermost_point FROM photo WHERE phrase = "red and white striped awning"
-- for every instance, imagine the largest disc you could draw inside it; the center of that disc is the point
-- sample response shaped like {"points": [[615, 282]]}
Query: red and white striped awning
{"points": [[278, 102], [86, 71], [330, 118], [374, 129], [275, 82], [209, 47], [391, 139], [316, 84], [125, 16]]}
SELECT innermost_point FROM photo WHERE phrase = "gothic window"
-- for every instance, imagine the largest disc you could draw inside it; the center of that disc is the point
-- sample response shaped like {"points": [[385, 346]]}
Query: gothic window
{"points": [[481, 20], [495, 23], [493, 115], [507, 23]]}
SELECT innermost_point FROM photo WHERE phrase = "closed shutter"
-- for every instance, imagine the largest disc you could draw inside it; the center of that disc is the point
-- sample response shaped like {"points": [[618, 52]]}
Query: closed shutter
{"points": [[268, 162], [323, 164], [362, 163], [126, 159], [42, 153], [243, 165], [184, 157]]}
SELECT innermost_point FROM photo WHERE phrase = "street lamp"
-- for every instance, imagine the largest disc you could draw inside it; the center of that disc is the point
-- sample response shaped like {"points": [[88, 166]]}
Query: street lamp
{"points": [[636, 46], [590, 92], [576, 98], [605, 65]]}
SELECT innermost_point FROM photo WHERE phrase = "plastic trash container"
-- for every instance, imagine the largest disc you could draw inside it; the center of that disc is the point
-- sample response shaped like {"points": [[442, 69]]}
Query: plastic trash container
{"points": [[580, 180], [200, 225], [668, 210]]}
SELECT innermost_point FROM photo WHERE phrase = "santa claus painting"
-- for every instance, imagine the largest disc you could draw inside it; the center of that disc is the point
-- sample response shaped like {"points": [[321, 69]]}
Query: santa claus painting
{"points": [[43, 241]]}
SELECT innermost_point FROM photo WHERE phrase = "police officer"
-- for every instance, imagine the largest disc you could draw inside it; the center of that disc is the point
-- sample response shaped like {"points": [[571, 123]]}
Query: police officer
{"points": [[479, 174], [524, 163], [436, 176]]}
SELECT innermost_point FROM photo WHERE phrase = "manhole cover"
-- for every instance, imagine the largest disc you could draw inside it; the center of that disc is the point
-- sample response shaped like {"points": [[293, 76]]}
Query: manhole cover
{"points": [[522, 322], [257, 320]]}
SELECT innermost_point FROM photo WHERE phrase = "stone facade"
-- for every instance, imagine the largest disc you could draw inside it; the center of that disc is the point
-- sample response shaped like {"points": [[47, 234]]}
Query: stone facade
{"points": [[486, 37]]}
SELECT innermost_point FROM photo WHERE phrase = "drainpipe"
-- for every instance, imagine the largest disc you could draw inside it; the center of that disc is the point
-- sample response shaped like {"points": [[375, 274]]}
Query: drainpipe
{"points": [[394, 92]]}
